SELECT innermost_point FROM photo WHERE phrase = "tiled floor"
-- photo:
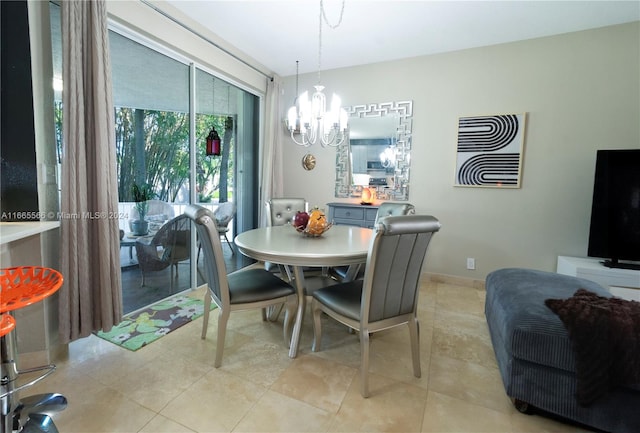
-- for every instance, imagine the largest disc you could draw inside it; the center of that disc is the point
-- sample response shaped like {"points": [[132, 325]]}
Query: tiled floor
{"points": [[171, 385]]}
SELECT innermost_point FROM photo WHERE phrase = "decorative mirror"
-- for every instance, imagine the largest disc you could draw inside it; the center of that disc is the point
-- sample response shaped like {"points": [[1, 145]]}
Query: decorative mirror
{"points": [[378, 151]]}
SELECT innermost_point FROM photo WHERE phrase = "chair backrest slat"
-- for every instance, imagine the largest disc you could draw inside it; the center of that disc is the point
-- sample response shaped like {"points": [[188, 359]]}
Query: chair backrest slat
{"points": [[394, 264]]}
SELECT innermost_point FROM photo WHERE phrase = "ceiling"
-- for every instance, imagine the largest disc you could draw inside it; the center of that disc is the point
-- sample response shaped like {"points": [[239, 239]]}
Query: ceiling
{"points": [[278, 33]]}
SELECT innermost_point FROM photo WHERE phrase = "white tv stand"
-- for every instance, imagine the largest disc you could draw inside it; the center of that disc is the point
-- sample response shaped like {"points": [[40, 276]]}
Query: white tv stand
{"points": [[624, 283]]}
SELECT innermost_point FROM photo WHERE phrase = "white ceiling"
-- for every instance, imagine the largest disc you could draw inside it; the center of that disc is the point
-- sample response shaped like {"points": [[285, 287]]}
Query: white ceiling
{"points": [[278, 32]]}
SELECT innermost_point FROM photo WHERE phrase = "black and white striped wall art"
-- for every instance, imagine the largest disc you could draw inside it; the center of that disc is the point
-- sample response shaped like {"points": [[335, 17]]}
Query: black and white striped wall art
{"points": [[490, 150]]}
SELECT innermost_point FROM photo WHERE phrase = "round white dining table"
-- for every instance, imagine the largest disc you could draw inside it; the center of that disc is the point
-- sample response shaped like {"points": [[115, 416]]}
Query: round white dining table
{"points": [[340, 245]]}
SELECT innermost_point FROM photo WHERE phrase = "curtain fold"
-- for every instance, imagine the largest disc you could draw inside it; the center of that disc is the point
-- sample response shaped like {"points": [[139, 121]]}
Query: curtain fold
{"points": [[91, 297], [272, 179]]}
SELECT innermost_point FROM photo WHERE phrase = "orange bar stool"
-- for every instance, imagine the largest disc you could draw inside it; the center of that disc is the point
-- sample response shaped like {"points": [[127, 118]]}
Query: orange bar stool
{"points": [[21, 287]]}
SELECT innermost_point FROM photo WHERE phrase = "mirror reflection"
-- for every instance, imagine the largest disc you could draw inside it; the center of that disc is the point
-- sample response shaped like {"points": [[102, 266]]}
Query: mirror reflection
{"points": [[377, 153]]}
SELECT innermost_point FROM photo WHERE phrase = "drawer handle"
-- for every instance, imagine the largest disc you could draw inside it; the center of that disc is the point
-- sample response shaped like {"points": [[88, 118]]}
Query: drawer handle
{"points": [[348, 213]]}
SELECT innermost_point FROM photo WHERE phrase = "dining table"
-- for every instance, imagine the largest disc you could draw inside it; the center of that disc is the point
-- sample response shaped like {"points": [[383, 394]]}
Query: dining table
{"points": [[339, 246]]}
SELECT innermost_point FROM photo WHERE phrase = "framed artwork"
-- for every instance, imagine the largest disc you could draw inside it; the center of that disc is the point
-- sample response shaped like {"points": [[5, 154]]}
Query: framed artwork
{"points": [[490, 150]]}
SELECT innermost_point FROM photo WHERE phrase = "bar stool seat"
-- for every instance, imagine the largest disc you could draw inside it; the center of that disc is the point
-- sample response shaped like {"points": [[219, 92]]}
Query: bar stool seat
{"points": [[21, 287]]}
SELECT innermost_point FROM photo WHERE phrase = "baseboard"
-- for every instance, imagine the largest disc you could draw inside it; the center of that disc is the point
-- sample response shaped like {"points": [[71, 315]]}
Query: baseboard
{"points": [[452, 279]]}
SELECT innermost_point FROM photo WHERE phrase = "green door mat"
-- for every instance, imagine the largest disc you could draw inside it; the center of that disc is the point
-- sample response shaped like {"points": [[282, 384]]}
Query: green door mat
{"points": [[146, 326]]}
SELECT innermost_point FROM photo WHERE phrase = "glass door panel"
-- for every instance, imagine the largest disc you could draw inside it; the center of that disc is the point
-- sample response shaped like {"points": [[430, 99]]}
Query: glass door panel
{"points": [[151, 98]]}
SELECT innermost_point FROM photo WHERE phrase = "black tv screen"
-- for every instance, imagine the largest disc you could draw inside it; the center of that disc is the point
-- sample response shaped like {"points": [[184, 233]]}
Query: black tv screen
{"points": [[614, 233]]}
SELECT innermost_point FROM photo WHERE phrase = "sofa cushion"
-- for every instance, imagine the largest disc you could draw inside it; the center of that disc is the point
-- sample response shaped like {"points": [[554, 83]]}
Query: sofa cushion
{"points": [[522, 322]]}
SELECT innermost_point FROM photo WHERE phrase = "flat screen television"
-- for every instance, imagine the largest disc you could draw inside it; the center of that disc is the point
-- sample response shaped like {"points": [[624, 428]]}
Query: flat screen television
{"points": [[614, 234]]}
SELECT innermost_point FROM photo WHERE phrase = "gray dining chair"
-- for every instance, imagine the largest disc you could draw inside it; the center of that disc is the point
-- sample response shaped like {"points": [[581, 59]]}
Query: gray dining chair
{"points": [[388, 294], [281, 210], [245, 289], [341, 273]]}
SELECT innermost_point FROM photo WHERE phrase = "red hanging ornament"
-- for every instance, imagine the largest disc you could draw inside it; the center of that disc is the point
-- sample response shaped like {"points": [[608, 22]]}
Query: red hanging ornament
{"points": [[213, 143]]}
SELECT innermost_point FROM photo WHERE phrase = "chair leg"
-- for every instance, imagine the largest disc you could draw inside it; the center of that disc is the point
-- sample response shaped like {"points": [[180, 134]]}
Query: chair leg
{"points": [[233, 252], [289, 313], [364, 363], [171, 280], [414, 334], [317, 327], [273, 312], [207, 311], [222, 332]]}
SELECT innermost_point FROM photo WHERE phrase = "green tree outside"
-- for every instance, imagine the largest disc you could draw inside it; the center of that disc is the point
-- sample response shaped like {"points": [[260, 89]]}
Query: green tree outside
{"points": [[153, 147]]}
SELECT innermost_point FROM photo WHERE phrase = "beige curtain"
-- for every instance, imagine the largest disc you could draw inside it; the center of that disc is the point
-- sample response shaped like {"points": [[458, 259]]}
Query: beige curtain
{"points": [[272, 181], [91, 297]]}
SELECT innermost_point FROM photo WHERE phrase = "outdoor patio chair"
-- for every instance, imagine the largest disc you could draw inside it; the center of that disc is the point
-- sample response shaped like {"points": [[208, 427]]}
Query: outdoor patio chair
{"points": [[168, 247], [159, 212], [223, 216], [388, 294]]}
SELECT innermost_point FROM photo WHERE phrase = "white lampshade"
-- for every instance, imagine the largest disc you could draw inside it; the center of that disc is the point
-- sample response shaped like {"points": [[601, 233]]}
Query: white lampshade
{"points": [[292, 118]]}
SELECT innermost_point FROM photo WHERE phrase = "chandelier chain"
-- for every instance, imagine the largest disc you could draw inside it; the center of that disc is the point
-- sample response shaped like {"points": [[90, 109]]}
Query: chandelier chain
{"points": [[320, 40], [323, 17], [297, 73]]}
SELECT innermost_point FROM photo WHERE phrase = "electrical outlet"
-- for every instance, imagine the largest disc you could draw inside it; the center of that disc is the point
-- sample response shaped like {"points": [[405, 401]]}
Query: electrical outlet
{"points": [[471, 263]]}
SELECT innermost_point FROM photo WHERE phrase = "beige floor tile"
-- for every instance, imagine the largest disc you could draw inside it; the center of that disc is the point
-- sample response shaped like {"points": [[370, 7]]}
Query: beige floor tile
{"points": [[392, 407], [319, 382], [338, 344], [275, 412], [105, 411], [115, 364], [160, 424], [215, 403], [390, 356], [259, 361], [470, 382], [158, 382], [464, 337], [460, 299], [523, 423], [428, 295], [449, 414]]}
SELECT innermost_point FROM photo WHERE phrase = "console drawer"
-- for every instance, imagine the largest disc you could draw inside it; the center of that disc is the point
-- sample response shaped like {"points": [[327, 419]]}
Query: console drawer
{"points": [[349, 213]]}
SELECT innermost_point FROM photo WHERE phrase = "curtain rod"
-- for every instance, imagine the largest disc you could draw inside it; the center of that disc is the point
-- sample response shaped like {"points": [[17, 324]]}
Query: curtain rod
{"points": [[201, 36]]}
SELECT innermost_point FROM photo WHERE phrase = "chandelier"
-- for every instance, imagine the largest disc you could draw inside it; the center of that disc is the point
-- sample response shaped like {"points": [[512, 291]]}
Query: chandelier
{"points": [[309, 118], [388, 157]]}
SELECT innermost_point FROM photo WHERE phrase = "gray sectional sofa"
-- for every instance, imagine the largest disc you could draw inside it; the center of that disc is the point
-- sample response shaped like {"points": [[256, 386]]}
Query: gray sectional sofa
{"points": [[535, 355]]}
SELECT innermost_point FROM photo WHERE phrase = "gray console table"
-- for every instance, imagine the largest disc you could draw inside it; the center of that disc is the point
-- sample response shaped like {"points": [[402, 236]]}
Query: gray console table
{"points": [[352, 214]]}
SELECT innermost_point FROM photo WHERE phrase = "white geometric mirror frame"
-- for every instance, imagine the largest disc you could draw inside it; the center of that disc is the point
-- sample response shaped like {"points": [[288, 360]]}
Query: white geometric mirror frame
{"points": [[403, 110]]}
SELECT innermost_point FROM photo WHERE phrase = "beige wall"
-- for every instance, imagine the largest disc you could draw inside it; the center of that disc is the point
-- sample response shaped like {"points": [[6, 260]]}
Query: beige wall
{"points": [[581, 92]]}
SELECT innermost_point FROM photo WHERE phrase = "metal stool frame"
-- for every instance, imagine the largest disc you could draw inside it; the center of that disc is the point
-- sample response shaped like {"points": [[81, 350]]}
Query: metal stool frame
{"points": [[20, 287]]}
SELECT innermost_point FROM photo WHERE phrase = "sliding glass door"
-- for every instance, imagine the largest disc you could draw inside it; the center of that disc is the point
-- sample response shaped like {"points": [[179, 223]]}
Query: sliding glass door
{"points": [[172, 151]]}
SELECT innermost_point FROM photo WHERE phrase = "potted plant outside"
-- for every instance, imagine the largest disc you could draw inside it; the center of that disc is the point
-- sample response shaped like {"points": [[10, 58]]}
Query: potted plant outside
{"points": [[141, 196]]}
